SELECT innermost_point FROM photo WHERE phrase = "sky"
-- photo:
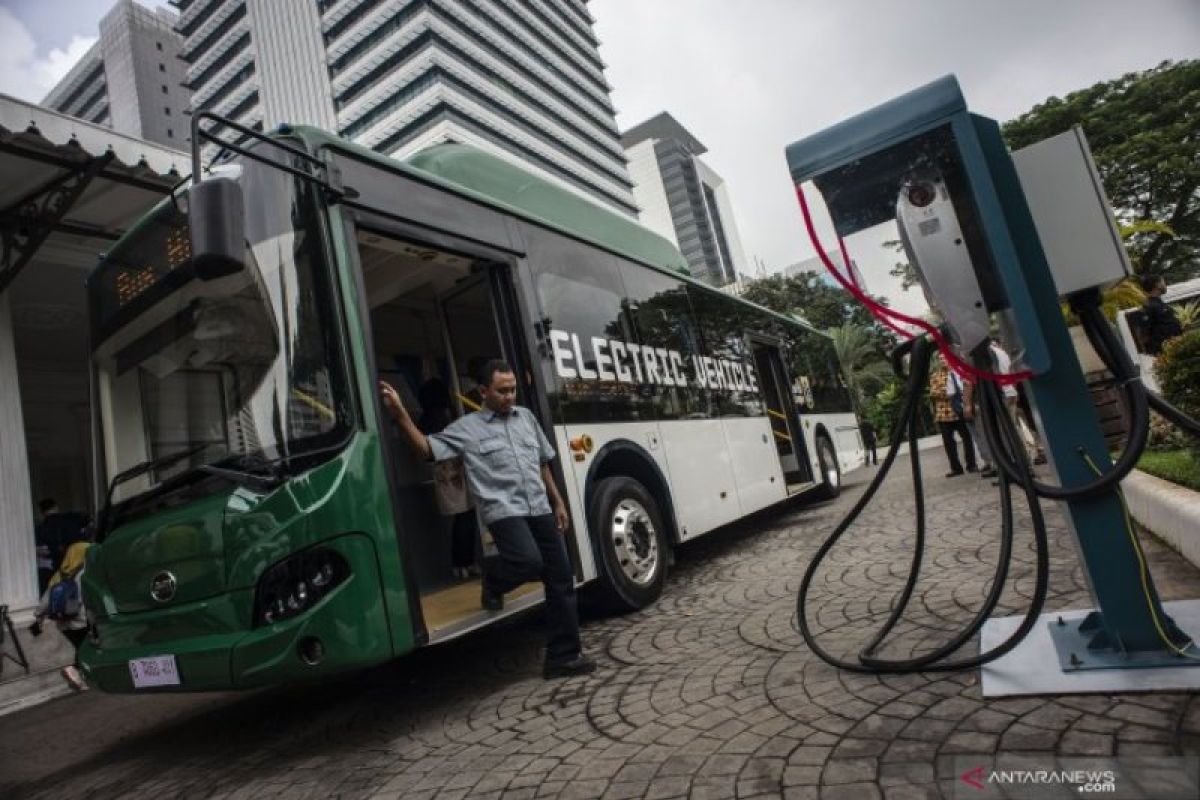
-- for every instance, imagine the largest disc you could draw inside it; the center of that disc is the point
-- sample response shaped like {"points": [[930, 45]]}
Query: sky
{"points": [[751, 76]]}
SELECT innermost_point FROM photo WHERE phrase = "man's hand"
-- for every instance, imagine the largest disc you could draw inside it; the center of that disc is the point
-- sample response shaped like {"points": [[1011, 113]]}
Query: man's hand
{"points": [[562, 517], [968, 413], [391, 400]]}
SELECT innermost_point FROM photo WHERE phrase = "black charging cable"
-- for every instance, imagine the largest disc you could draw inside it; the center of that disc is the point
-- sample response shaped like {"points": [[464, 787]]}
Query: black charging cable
{"points": [[1002, 435]]}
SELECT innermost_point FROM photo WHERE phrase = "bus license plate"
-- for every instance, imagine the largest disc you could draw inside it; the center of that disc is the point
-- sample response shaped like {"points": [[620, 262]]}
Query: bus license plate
{"points": [[153, 671]]}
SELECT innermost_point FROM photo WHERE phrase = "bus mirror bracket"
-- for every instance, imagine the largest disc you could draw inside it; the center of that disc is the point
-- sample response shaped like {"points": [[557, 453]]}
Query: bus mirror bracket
{"points": [[216, 216]]}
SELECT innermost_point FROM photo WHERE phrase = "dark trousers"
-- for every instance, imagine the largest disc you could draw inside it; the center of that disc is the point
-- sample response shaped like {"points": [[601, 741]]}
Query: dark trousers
{"points": [[463, 537], [872, 456], [532, 548], [948, 429], [76, 638]]}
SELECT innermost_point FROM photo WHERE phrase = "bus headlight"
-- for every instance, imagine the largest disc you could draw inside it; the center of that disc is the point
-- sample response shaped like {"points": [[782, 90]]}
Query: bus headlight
{"points": [[296, 584]]}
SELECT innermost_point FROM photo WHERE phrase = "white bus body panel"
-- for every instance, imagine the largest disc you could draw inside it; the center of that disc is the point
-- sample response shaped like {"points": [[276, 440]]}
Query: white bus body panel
{"points": [[701, 475], [699, 459], [757, 470]]}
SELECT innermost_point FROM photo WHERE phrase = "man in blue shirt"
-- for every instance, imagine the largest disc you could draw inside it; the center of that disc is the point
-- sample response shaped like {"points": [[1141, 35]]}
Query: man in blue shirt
{"points": [[506, 456]]}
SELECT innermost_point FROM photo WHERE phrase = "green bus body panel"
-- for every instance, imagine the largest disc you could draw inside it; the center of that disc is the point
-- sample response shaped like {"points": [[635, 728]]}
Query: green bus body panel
{"points": [[341, 504], [187, 541]]}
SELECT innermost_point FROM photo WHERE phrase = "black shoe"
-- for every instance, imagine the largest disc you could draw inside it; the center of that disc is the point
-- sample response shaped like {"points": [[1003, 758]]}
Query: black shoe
{"points": [[491, 601], [579, 665], [987, 472], [972, 468], [954, 473]]}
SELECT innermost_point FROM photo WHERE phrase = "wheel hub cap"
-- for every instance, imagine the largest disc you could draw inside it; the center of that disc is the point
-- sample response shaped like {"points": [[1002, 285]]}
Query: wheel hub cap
{"points": [[634, 541]]}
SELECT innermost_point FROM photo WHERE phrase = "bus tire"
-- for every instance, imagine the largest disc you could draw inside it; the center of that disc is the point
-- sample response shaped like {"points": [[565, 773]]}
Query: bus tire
{"points": [[631, 544], [827, 463]]}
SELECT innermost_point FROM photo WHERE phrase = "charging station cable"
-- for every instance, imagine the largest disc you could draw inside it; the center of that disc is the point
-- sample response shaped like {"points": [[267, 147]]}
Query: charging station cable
{"points": [[934, 661]]}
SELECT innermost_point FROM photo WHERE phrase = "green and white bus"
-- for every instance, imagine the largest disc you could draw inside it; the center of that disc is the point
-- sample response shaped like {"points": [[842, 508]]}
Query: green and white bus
{"points": [[263, 522]]}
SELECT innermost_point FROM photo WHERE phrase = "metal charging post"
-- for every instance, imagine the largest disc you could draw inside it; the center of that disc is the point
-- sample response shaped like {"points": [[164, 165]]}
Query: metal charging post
{"points": [[850, 163]]}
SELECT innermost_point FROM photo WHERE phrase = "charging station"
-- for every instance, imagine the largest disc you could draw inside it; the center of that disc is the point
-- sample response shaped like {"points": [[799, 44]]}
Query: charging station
{"points": [[996, 240]]}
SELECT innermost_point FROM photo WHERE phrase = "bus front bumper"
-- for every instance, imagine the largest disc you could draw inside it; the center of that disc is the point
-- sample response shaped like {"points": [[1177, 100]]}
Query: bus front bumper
{"points": [[211, 646]]}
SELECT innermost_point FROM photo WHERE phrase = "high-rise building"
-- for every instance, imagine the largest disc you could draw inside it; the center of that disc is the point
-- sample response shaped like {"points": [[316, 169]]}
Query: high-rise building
{"points": [[131, 79], [683, 199], [815, 268], [522, 80]]}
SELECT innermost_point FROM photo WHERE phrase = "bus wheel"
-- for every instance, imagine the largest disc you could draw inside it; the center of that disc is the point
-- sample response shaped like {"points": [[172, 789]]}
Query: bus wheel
{"points": [[831, 473], [631, 541]]}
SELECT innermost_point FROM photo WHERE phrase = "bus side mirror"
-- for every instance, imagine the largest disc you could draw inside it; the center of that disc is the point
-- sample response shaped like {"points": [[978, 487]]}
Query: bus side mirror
{"points": [[216, 215]]}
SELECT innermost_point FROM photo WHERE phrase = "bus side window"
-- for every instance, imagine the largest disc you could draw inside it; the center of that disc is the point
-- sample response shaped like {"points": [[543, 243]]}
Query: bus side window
{"points": [[722, 325], [582, 304], [662, 319]]}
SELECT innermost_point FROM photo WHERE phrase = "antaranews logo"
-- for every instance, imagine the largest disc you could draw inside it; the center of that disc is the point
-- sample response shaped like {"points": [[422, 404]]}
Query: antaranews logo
{"points": [[1083, 781], [973, 777]]}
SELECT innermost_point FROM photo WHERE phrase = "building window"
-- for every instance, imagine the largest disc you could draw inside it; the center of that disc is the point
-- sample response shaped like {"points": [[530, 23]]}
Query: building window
{"points": [[159, 46], [164, 88], [167, 110], [170, 133], [162, 67]]}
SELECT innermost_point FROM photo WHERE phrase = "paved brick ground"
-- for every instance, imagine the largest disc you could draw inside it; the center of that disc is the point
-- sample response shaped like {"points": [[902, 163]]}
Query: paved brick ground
{"points": [[709, 694]]}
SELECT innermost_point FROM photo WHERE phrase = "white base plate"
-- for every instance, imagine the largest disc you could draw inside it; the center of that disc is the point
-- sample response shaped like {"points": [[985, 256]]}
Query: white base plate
{"points": [[1032, 667]]}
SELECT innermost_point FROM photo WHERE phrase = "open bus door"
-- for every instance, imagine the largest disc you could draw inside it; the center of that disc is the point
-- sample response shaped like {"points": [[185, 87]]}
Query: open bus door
{"points": [[436, 317], [785, 426]]}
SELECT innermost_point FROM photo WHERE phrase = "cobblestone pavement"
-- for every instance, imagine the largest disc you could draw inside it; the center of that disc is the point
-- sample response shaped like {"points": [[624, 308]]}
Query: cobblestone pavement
{"points": [[708, 694]]}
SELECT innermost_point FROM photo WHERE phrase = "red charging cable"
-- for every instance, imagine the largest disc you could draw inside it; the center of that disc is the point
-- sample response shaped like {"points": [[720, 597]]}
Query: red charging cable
{"points": [[885, 315]]}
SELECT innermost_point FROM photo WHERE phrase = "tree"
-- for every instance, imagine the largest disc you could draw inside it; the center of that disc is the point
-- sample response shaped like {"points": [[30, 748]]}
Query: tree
{"points": [[823, 306], [865, 371], [1144, 132]]}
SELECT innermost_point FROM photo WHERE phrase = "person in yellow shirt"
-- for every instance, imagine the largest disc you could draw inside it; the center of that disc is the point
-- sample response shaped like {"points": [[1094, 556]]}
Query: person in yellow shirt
{"points": [[63, 602]]}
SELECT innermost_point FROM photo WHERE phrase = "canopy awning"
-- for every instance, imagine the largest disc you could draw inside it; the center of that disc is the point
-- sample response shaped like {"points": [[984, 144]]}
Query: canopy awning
{"points": [[70, 185]]}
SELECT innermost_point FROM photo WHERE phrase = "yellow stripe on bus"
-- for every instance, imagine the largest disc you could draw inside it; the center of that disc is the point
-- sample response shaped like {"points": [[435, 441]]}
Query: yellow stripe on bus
{"points": [[776, 414], [314, 404], [471, 404], [783, 436]]}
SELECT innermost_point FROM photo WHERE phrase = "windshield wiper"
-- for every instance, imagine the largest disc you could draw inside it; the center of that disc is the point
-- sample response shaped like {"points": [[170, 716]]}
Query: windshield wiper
{"points": [[254, 472], [152, 464], [136, 471]]}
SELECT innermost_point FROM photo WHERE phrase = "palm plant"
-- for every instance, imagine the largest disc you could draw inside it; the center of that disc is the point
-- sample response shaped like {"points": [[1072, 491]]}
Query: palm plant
{"points": [[863, 367]]}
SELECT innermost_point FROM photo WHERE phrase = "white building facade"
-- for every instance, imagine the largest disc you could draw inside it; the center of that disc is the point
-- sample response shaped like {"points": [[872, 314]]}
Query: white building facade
{"points": [[682, 199], [131, 80], [523, 81]]}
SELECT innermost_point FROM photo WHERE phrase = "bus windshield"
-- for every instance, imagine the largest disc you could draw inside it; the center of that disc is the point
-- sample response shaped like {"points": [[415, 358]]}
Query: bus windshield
{"points": [[245, 367]]}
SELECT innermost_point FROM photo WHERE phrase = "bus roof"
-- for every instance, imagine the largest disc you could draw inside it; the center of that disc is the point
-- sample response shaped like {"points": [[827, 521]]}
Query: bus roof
{"points": [[500, 183]]}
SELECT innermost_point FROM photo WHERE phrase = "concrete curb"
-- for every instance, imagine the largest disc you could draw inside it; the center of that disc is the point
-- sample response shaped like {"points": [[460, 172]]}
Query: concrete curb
{"points": [[1169, 511]]}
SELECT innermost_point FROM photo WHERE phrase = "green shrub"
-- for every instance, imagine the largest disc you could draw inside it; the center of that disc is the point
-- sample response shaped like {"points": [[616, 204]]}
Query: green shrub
{"points": [[1179, 467], [1178, 370]]}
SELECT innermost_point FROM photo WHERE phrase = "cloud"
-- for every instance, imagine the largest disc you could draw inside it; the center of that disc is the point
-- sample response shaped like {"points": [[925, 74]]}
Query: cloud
{"points": [[749, 78], [24, 73]]}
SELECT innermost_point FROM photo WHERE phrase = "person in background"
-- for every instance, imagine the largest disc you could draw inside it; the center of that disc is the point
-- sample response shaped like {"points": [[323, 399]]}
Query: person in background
{"points": [[1003, 363], [507, 459], [436, 415], [54, 534], [869, 441], [971, 415], [62, 601], [946, 394], [1160, 322]]}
